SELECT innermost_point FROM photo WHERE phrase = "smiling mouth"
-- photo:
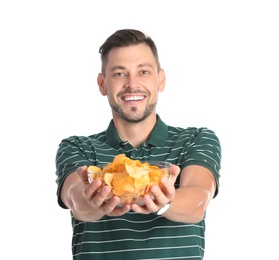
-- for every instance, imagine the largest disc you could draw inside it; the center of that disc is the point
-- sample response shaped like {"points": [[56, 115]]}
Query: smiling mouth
{"points": [[133, 98]]}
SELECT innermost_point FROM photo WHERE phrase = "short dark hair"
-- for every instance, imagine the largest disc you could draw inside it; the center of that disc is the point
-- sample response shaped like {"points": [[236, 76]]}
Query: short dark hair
{"points": [[124, 38]]}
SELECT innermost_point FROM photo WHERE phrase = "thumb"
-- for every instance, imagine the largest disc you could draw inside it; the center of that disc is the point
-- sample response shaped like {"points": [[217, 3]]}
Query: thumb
{"points": [[82, 172], [174, 172]]}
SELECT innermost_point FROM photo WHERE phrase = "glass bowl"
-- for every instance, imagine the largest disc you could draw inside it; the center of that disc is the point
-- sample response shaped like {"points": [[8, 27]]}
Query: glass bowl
{"points": [[130, 183]]}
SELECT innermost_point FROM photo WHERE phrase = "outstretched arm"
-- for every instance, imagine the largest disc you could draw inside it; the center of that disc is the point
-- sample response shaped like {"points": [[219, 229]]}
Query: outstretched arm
{"points": [[189, 201]]}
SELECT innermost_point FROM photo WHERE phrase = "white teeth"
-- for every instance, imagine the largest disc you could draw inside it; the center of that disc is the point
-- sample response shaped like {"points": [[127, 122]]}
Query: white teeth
{"points": [[133, 98]]}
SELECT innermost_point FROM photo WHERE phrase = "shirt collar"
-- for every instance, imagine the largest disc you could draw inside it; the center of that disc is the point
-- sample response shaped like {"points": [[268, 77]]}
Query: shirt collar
{"points": [[157, 136]]}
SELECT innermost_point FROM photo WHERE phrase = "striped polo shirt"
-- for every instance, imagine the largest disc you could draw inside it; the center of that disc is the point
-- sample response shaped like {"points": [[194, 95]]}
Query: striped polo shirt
{"points": [[138, 236]]}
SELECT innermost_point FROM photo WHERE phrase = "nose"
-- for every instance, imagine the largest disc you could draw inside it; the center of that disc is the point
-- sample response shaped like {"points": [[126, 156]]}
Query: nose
{"points": [[132, 82]]}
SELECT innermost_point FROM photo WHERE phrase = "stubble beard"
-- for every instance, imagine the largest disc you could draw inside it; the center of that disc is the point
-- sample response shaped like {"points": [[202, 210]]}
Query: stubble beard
{"points": [[134, 117]]}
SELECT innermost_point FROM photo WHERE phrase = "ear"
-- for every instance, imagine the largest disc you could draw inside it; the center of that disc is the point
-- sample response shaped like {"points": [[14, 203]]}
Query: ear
{"points": [[162, 80], [101, 84]]}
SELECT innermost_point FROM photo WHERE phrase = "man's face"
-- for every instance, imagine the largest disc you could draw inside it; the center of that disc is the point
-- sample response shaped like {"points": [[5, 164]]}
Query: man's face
{"points": [[132, 82]]}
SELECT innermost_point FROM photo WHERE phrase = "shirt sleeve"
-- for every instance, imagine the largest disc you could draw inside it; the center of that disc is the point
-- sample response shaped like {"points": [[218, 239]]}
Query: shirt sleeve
{"points": [[69, 157], [205, 150]]}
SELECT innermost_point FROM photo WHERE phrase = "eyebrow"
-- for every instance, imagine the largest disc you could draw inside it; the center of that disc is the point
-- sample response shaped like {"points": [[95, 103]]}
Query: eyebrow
{"points": [[145, 65], [119, 67]]}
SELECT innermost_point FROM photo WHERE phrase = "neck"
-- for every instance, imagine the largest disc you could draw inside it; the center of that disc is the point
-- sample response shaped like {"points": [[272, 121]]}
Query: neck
{"points": [[135, 133]]}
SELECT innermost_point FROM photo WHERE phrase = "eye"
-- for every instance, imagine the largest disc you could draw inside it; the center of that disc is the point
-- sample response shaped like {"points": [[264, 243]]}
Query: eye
{"points": [[144, 72], [119, 74]]}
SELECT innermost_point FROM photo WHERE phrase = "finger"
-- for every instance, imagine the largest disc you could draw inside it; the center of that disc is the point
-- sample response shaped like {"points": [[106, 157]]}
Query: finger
{"points": [[98, 195], [82, 172], [111, 205], [118, 211], [174, 172], [143, 209], [149, 206], [161, 198], [164, 194], [92, 188]]}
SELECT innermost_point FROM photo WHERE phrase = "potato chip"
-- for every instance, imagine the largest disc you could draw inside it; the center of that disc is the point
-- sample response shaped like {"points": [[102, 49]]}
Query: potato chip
{"points": [[135, 171], [108, 177], [129, 179], [94, 168]]}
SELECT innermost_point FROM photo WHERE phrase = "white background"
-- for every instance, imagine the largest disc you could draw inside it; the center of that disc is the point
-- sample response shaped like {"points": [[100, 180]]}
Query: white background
{"points": [[221, 60]]}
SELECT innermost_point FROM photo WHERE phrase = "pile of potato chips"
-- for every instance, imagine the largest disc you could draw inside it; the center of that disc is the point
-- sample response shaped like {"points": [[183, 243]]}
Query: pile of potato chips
{"points": [[129, 179]]}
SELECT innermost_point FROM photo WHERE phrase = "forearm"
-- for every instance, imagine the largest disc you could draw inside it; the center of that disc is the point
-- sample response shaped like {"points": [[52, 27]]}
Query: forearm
{"points": [[189, 204], [66, 187]]}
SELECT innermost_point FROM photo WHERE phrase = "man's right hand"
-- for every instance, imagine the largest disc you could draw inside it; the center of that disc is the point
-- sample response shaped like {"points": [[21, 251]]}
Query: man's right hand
{"points": [[89, 201]]}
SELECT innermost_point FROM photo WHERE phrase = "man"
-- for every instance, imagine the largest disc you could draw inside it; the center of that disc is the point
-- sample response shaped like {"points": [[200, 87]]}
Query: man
{"points": [[171, 223]]}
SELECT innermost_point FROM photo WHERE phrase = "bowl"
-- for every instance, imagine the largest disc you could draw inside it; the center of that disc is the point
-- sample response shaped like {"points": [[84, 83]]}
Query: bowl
{"points": [[130, 181]]}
